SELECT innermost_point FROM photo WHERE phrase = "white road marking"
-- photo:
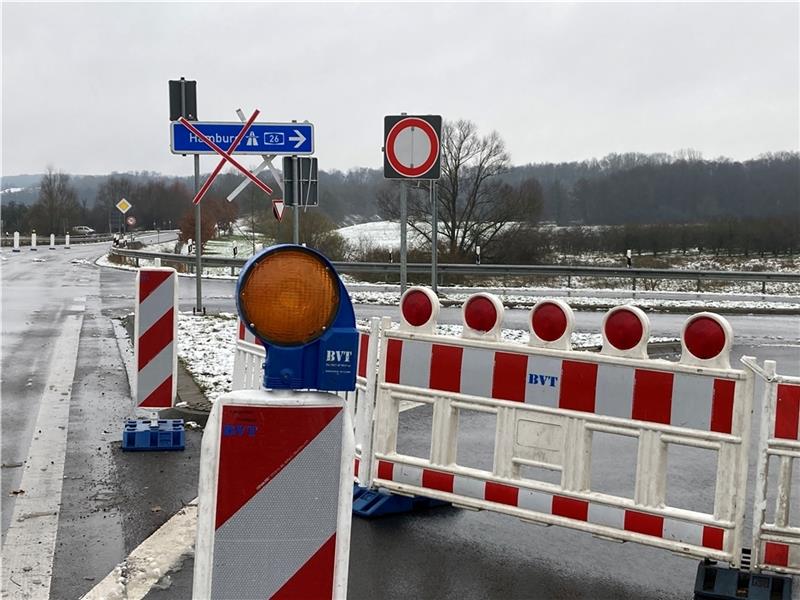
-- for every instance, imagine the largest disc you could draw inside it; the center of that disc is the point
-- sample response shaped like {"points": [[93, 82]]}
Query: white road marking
{"points": [[31, 537], [151, 560]]}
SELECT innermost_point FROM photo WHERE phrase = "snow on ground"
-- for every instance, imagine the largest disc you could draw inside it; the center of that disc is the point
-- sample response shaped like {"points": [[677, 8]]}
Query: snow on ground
{"points": [[206, 345], [379, 234]]}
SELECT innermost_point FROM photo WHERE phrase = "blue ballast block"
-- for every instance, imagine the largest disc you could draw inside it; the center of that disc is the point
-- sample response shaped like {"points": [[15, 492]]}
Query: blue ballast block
{"points": [[150, 434]]}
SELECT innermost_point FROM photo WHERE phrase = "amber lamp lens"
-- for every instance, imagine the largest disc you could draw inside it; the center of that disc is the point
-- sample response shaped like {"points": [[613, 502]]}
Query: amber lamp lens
{"points": [[290, 297]]}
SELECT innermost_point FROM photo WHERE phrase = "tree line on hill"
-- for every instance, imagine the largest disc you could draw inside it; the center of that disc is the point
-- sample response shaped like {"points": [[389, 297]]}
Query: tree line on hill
{"points": [[483, 200]]}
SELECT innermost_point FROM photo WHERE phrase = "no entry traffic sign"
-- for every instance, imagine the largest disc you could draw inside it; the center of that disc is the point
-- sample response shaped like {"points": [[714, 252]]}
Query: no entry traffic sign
{"points": [[411, 146]]}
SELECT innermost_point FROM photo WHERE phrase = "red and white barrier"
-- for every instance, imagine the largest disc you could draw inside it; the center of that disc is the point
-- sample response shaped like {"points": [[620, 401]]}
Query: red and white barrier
{"points": [[549, 401], [275, 497], [776, 541], [155, 343]]}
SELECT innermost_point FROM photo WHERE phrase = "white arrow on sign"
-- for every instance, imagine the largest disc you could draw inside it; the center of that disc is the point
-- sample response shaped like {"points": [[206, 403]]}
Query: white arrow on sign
{"points": [[299, 138], [277, 208]]}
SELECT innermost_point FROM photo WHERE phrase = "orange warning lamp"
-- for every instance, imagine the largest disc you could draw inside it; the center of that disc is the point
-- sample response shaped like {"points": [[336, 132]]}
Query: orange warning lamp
{"points": [[292, 299]]}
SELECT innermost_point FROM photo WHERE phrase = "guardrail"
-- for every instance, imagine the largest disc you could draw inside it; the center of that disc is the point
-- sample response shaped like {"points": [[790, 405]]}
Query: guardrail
{"points": [[564, 271]]}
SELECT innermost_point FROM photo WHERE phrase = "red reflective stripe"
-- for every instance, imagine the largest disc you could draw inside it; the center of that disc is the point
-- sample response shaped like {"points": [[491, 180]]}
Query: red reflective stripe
{"points": [[644, 523], [776, 554], [356, 464], [787, 412], [315, 578], [264, 440], [363, 347], [160, 397], [241, 330], [149, 281], [722, 406], [509, 376], [652, 396], [578, 386], [385, 470], [501, 493], [394, 352], [570, 508], [446, 368], [155, 339], [713, 537], [436, 480]]}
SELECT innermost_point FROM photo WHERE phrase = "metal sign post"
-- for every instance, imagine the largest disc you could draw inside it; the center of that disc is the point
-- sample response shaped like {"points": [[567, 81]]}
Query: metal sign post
{"points": [[434, 238], [403, 236], [198, 236], [296, 202]]}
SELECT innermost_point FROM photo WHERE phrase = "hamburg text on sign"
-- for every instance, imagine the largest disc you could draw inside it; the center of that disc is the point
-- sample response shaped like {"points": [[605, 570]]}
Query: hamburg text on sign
{"points": [[261, 138]]}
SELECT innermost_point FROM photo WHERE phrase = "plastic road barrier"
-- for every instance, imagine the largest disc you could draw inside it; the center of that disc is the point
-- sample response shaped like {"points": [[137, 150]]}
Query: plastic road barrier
{"points": [[275, 497], [776, 542], [549, 401], [155, 343]]}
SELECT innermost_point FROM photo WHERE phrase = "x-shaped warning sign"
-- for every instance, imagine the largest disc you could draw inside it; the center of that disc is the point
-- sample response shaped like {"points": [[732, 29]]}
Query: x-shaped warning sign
{"points": [[226, 157]]}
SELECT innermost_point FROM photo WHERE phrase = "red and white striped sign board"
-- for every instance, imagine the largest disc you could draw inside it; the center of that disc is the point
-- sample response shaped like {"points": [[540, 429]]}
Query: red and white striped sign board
{"points": [[155, 344], [275, 497]]}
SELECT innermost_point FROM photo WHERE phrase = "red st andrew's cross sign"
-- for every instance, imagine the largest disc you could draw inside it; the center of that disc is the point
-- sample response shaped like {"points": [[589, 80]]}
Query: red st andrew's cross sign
{"points": [[412, 147], [226, 156]]}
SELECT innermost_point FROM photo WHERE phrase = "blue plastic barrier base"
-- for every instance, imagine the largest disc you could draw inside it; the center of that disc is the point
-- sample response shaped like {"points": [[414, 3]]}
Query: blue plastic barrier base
{"points": [[369, 503], [141, 435], [723, 583]]}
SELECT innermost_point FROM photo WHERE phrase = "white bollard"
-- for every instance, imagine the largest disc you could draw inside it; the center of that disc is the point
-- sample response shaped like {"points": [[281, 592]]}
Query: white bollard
{"points": [[33, 241], [66, 242], [16, 242], [52, 241]]}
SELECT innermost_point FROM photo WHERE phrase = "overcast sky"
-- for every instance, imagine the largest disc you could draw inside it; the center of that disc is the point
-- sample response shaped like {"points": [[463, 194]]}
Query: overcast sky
{"points": [[84, 86]]}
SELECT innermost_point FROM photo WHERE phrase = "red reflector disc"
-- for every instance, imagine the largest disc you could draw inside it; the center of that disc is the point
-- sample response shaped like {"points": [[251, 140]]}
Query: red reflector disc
{"points": [[549, 321], [704, 337], [480, 313], [623, 329], [417, 308]]}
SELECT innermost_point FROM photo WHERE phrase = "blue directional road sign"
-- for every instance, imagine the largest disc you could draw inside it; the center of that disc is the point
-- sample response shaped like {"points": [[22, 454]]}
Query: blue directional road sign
{"points": [[261, 138]]}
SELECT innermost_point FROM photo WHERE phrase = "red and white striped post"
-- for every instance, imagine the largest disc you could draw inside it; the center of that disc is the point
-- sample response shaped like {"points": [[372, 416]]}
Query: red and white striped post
{"points": [[155, 344], [275, 497]]}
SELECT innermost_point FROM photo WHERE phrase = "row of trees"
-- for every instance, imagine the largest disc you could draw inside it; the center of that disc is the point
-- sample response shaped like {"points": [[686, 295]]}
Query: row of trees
{"points": [[724, 237]]}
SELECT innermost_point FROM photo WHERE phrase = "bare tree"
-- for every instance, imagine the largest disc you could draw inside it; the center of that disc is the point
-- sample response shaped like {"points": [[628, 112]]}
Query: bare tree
{"points": [[57, 208], [474, 204]]}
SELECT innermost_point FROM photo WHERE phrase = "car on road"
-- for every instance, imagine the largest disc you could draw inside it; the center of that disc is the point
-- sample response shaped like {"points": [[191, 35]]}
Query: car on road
{"points": [[82, 230]]}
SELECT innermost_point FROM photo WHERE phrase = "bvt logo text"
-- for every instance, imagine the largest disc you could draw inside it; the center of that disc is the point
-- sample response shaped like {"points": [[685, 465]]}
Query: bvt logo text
{"points": [[543, 380], [338, 356], [239, 430]]}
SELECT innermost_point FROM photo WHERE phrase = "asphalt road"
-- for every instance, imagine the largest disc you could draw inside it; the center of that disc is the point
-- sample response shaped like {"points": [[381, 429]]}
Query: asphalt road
{"points": [[59, 345]]}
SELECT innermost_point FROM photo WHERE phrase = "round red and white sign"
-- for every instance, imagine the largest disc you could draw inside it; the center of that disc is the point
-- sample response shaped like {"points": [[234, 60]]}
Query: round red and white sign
{"points": [[131, 221], [412, 147]]}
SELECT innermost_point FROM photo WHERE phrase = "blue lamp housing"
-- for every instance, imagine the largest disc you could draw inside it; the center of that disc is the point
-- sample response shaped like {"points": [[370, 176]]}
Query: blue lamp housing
{"points": [[327, 363]]}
